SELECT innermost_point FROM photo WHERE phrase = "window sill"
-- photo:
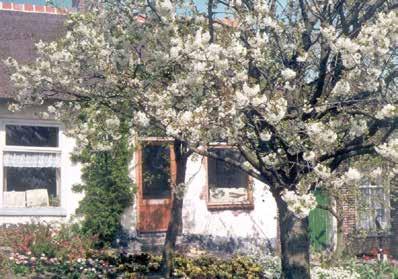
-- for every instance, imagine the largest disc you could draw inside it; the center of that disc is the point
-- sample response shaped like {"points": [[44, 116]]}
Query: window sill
{"points": [[39, 211], [230, 206], [386, 233]]}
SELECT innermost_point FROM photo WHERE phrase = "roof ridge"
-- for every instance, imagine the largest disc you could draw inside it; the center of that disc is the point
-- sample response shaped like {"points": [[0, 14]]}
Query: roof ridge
{"points": [[31, 8]]}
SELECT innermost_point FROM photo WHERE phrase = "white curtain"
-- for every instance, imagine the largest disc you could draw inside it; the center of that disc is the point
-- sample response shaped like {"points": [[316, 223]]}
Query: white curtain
{"points": [[31, 160]]}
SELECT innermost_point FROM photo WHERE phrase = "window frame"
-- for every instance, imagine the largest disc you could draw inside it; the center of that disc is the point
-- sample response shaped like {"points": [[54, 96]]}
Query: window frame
{"points": [[34, 211], [248, 204], [386, 194]]}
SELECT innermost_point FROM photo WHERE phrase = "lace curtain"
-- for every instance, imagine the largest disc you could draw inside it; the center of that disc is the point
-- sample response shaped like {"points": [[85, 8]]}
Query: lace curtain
{"points": [[31, 160]]}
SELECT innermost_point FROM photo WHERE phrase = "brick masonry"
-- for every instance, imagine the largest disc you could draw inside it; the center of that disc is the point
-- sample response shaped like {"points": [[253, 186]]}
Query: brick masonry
{"points": [[357, 244], [29, 8]]}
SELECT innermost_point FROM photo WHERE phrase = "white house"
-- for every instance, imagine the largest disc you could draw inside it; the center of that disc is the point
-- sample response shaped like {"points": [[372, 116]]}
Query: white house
{"points": [[221, 203]]}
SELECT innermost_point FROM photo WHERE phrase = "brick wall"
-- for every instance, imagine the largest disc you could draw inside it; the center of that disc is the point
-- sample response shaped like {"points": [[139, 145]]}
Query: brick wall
{"points": [[348, 207], [357, 244]]}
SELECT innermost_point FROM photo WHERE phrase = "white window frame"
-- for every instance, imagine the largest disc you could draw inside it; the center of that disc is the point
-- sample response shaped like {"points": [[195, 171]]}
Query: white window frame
{"points": [[47, 211], [386, 207]]}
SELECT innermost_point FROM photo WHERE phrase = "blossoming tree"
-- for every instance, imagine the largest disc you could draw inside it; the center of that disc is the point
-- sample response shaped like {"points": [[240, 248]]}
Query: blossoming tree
{"points": [[298, 88], [82, 79], [297, 92]]}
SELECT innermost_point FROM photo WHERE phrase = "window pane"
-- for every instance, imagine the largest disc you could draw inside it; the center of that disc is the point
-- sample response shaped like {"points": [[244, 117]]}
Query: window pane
{"points": [[43, 182], [227, 184], [31, 136], [156, 171], [224, 175], [372, 209], [22, 179]]}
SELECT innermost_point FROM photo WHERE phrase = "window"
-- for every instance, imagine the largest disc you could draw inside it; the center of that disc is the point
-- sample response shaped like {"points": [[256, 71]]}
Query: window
{"points": [[228, 186], [373, 209], [31, 166]]}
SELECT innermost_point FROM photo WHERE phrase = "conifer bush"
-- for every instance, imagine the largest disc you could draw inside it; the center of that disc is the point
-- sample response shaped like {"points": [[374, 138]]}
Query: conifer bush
{"points": [[107, 189]]}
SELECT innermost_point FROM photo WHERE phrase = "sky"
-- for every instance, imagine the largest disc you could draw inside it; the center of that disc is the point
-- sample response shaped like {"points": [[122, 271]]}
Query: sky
{"points": [[201, 4]]}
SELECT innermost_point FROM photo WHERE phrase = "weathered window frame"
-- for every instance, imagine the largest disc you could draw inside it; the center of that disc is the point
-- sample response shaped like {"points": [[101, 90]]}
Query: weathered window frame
{"points": [[247, 205]]}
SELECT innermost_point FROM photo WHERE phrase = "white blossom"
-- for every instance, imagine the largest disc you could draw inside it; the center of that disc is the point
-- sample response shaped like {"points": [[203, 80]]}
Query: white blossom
{"points": [[300, 205], [322, 171], [142, 119], [251, 91], [112, 123], [358, 128], [265, 135], [13, 107], [342, 87], [389, 149], [288, 74], [309, 156], [352, 175], [387, 111], [51, 109], [320, 134]]}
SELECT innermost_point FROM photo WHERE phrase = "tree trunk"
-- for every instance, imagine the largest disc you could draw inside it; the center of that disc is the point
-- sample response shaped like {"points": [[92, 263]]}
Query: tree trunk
{"points": [[340, 244], [295, 243], [175, 224]]}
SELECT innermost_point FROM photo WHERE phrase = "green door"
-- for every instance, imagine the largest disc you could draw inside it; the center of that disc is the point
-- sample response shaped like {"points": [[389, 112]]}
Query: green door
{"points": [[321, 224]]}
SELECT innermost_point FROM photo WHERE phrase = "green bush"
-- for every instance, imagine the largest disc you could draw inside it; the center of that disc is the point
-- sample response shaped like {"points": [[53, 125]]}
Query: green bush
{"points": [[212, 267], [110, 265], [107, 189], [44, 248]]}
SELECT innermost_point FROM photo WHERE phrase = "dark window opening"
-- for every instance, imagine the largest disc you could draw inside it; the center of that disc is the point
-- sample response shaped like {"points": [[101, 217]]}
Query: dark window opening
{"points": [[19, 135], [224, 175], [228, 186], [156, 171], [23, 179]]}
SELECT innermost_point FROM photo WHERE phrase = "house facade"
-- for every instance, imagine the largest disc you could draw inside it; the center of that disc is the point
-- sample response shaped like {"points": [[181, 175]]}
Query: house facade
{"points": [[224, 209], [222, 206]]}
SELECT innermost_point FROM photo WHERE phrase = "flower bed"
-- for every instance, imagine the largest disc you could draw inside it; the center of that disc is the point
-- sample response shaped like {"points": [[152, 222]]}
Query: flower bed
{"points": [[45, 251], [133, 266]]}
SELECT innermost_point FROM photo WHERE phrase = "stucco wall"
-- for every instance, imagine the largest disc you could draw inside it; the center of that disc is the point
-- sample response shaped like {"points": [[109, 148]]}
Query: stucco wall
{"points": [[198, 220], [259, 222]]}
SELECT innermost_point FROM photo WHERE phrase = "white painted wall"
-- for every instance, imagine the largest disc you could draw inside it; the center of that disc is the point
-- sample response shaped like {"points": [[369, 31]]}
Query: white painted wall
{"points": [[197, 219], [259, 222]]}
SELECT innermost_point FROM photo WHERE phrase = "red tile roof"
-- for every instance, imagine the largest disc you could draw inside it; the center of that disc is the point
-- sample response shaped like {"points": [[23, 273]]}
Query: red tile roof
{"points": [[19, 31], [29, 8]]}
